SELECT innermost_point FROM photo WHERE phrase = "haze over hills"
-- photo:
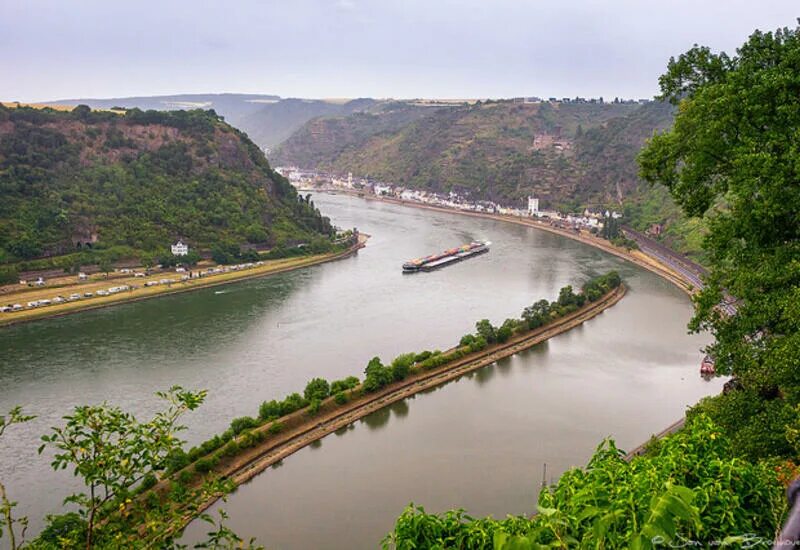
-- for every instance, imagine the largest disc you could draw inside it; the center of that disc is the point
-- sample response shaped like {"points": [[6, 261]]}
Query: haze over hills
{"points": [[503, 151], [267, 119], [138, 180]]}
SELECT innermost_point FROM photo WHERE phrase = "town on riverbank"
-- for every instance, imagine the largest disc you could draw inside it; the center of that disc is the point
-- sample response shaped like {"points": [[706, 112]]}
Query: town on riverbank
{"points": [[601, 229]]}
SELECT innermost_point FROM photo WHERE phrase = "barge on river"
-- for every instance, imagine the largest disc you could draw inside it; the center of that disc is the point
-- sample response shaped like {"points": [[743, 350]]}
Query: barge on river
{"points": [[448, 257]]}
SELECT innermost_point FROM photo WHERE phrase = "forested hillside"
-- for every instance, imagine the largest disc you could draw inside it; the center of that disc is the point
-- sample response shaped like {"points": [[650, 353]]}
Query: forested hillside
{"points": [[503, 151], [570, 155], [140, 180]]}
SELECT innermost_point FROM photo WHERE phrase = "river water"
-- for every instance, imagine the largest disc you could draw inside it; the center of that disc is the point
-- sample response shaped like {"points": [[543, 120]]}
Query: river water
{"points": [[479, 443]]}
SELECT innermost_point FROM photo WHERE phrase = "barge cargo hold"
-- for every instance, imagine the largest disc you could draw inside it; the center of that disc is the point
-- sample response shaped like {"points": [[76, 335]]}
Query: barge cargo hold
{"points": [[448, 257]]}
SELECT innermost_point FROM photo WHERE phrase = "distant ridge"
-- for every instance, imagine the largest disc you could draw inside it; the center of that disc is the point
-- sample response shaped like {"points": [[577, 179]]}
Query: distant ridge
{"points": [[266, 118]]}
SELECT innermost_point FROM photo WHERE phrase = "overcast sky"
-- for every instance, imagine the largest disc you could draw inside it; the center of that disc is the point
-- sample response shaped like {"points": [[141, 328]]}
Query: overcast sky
{"points": [[362, 48]]}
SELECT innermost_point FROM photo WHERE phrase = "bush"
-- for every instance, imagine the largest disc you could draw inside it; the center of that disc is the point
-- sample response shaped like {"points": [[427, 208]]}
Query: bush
{"points": [[250, 439], [466, 340], [185, 477], [342, 385], [313, 407], [149, 481], [422, 356], [60, 530], [238, 425], [231, 448], [275, 428], [177, 460], [293, 402], [9, 276], [205, 465], [340, 398], [401, 366], [317, 389], [478, 345], [269, 410]]}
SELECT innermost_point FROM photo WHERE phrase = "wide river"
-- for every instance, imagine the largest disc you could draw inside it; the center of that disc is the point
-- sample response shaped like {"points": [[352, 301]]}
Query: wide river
{"points": [[480, 443]]}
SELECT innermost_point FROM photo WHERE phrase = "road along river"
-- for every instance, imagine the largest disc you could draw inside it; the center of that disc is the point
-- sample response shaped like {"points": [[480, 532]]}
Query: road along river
{"points": [[479, 442]]}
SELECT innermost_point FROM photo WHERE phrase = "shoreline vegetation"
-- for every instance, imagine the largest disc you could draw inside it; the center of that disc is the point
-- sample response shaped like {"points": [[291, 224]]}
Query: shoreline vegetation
{"points": [[269, 267], [251, 445]]}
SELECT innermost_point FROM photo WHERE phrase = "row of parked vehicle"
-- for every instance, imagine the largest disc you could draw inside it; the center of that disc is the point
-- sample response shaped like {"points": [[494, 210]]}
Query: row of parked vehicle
{"points": [[61, 299], [116, 289]]}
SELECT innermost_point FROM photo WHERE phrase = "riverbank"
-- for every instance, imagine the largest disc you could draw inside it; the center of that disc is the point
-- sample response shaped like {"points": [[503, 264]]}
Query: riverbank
{"points": [[299, 429], [636, 257], [141, 292]]}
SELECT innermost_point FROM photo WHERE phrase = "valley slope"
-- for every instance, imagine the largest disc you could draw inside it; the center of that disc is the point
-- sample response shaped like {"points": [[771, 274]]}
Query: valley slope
{"points": [[139, 180], [568, 154]]}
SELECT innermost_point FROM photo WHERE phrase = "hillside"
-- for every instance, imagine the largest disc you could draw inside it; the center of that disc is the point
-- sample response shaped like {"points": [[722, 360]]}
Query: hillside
{"points": [[570, 155], [267, 119], [141, 179], [504, 151]]}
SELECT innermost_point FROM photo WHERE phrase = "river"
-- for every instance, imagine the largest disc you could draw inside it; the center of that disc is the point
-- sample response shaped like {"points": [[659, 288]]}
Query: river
{"points": [[478, 443]]}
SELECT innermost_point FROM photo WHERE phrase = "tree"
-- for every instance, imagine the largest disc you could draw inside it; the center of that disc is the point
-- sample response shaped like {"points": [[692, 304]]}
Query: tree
{"points": [[317, 388], [105, 266], [112, 451], [14, 416], [732, 157], [401, 366], [566, 296], [536, 315], [486, 330], [377, 375], [225, 252]]}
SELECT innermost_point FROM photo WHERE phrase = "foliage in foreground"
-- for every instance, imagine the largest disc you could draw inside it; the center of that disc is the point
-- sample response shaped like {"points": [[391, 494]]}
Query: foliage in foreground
{"points": [[733, 158], [690, 490], [118, 458]]}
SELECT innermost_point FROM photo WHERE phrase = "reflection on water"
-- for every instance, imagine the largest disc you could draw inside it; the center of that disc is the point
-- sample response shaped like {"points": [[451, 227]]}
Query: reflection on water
{"points": [[479, 442]]}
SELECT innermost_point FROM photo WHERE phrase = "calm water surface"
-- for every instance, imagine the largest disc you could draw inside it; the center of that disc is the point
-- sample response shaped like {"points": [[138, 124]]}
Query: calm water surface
{"points": [[479, 443]]}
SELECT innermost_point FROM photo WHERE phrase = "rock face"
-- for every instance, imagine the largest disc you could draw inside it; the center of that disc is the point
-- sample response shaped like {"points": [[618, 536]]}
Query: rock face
{"points": [[560, 152], [138, 179]]}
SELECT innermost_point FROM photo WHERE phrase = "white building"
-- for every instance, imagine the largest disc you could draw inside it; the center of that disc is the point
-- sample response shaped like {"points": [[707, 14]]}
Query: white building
{"points": [[180, 249], [533, 206]]}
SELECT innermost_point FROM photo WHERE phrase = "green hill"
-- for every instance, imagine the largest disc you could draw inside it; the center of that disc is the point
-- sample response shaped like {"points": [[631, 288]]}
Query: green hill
{"points": [[569, 154], [84, 179], [502, 151]]}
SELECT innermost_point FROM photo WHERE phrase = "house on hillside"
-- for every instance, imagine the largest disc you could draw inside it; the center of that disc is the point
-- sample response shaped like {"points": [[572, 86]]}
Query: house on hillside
{"points": [[180, 249]]}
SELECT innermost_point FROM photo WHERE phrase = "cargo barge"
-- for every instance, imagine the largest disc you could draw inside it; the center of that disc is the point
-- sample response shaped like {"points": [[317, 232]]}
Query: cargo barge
{"points": [[448, 257]]}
